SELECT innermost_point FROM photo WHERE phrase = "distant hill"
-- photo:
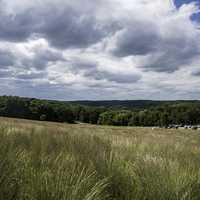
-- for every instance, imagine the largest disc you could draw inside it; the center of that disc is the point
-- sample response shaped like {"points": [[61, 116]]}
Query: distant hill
{"points": [[126, 104], [130, 104]]}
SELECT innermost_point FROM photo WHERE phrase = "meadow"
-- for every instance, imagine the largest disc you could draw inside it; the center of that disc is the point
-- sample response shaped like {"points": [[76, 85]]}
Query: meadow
{"points": [[57, 161]]}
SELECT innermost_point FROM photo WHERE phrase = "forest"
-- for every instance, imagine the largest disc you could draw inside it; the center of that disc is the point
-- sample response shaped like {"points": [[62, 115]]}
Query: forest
{"points": [[117, 113]]}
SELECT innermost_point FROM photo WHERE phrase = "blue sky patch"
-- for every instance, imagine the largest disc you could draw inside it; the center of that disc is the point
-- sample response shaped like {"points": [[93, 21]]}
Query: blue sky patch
{"points": [[179, 3]]}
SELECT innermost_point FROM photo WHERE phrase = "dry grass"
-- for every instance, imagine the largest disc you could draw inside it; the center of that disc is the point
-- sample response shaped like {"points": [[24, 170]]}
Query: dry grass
{"points": [[42, 160]]}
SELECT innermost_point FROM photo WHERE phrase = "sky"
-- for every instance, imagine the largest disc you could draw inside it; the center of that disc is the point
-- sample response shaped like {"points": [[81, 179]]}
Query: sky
{"points": [[100, 49]]}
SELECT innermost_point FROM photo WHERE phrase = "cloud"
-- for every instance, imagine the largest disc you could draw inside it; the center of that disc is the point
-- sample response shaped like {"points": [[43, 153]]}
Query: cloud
{"points": [[30, 75], [99, 49], [64, 25], [5, 73], [71, 30], [41, 59], [92, 70], [163, 42], [6, 59], [196, 73], [113, 77], [138, 38], [27, 61]]}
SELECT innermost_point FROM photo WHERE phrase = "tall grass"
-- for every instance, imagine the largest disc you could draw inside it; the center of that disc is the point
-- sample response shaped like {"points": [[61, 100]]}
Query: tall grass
{"points": [[42, 161]]}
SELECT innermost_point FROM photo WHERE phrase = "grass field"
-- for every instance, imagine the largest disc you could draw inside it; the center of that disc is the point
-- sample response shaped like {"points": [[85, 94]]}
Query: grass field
{"points": [[51, 161]]}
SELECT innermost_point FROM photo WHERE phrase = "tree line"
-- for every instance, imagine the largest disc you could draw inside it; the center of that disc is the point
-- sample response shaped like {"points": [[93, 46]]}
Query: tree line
{"points": [[47, 110], [161, 114], [181, 114]]}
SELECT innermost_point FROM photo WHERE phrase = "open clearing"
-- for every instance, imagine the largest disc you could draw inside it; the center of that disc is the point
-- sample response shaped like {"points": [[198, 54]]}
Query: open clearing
{"points": [[52, 161]]}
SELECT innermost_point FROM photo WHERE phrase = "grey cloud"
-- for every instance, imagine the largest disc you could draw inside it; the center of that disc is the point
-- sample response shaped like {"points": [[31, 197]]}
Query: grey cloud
{"points": [[47, 91], [123, 78], [167, 47], [64, 26], [72, 25], [78, 65], [113, 77], [41, 59], [138, 38], [173, 55], [71, 30], [30, 76], [76, 24], [25, 68], [5, 74], [49, 55], [90, 69], [16, 28], [164, 54], [21, 76], [196, 73], [6, 59]]}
